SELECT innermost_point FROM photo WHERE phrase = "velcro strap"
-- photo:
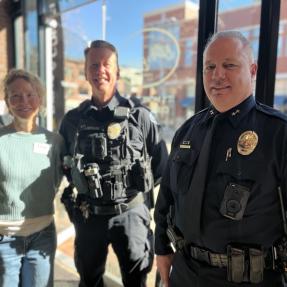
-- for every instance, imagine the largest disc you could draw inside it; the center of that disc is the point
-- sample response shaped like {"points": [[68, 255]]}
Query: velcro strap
{"points": [[118, 208]]}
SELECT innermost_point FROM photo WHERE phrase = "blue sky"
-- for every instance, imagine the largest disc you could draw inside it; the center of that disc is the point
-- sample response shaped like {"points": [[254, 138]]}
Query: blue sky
{"points": [[123, 26]]}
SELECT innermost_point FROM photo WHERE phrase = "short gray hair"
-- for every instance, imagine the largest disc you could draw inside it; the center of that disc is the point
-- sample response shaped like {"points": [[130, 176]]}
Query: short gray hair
{"points": [[230, 34]]}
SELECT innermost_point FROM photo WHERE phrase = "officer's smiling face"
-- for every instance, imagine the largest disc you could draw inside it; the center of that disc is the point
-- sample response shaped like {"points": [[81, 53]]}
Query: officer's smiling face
{"points": [[228, 73], [102, 73]]}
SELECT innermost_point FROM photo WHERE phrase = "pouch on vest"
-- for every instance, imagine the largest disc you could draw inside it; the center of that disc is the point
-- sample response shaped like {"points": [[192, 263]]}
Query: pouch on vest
{"points": [[256, 259], [235, 265], [142, 175], [79, 180]]}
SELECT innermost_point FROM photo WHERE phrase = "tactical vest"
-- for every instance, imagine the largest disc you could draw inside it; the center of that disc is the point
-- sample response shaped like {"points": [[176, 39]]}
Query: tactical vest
{"points": [[105, 164]]}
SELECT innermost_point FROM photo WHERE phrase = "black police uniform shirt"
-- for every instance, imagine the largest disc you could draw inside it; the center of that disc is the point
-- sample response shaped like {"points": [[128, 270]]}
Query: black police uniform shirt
{"points": [[145, 128], [261, 171]]}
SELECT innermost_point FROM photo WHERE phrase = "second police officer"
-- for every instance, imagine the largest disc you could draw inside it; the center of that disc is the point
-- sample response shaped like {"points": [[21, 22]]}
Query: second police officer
{"points": [[116, 158], [225, 182]]}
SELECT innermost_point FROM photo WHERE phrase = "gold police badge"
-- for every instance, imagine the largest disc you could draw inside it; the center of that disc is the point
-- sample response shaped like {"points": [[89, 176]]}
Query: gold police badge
{"points": [[114, 130], [247, 142]]}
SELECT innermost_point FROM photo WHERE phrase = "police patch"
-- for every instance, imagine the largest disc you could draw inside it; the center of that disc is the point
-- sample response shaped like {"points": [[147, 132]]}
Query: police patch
{"points": [[247, 142]]}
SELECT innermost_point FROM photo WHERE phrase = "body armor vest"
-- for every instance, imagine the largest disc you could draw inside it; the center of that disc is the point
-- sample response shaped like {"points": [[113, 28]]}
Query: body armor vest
{"points": [[106, 166]]}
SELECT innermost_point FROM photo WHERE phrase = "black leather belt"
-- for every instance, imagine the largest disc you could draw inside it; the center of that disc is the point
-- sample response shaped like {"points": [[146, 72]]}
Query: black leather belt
{"points": [[118, 208]]}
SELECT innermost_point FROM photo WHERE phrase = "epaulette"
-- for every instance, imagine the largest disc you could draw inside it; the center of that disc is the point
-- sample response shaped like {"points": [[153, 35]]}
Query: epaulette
{"points": [[270, 111]]}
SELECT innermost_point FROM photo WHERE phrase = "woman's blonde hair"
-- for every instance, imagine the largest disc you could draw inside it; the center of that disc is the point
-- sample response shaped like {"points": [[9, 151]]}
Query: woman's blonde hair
{"points": [[15, 74]]}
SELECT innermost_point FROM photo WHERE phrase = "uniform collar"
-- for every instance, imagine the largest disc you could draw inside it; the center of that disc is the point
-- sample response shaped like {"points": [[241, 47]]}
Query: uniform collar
{"points": [[211, 113], [235, 115], [116, 100]]}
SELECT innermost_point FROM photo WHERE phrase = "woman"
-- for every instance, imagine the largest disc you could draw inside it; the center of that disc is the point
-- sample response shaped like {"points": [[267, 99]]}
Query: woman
{"points": [[30, 173]]}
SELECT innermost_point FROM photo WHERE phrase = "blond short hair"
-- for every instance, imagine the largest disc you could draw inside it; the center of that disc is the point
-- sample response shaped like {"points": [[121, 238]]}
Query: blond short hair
{"points": [[15, 74]]}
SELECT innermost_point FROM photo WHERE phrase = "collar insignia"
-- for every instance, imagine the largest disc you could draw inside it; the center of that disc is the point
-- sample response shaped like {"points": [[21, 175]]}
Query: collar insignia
{"points": [[235, 113]]}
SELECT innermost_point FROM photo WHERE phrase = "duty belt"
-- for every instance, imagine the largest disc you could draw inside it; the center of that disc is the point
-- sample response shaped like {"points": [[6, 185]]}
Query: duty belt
{"points": [[243, 263], [221, 259], [118, 208]]}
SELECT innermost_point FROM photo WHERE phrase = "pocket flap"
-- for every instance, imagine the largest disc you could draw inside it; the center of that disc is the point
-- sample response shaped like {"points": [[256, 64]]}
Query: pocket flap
{"points": [[186, 156]]}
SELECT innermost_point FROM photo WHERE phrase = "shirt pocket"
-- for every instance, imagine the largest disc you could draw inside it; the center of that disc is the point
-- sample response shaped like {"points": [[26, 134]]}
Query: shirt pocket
{"points": [[183, 164], [244, 171]]}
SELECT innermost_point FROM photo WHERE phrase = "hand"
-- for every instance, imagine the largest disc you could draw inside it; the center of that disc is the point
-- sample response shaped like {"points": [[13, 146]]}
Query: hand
{"points": [[164, 264]]}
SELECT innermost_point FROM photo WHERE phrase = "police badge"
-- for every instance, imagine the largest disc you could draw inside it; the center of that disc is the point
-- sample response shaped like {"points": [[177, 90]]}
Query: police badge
{"points": [[113, 130], [247, 142]]}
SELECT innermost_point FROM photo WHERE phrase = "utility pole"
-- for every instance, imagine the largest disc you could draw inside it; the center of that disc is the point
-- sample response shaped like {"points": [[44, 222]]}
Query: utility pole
{"points": [[104, 18]]}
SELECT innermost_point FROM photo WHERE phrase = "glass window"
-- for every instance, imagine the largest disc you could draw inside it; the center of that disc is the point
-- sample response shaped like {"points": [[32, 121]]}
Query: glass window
{"points": [[154, 43], [19, 42], [280, 98], [188, 52], [231, 13], [31, 36]]}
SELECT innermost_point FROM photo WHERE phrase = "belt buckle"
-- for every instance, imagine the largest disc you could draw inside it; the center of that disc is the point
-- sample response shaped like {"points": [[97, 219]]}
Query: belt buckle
{"points": [[121, 207]]}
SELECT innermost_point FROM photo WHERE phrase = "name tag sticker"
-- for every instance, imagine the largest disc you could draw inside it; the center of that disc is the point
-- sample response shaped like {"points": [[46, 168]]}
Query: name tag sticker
{"points": [[41, 148]]}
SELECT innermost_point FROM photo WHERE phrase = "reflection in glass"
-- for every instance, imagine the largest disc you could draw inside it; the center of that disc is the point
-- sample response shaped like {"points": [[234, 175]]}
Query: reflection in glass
{"points": [[280, 99], [231, 13], [168, 87], [157, 53]]}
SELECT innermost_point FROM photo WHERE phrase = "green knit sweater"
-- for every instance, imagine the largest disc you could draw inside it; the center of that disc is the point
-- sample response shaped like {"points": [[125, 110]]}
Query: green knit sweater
{"points": [[30, 172]]}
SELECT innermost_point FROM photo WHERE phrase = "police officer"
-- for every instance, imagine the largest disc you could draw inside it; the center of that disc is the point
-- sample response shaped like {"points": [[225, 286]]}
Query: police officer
{"points": [[223, 183], [114, 162]]}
